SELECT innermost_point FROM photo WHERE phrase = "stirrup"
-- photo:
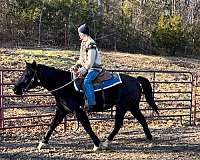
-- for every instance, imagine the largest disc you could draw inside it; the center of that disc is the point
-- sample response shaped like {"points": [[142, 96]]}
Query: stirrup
{"points": [[86, 108]]}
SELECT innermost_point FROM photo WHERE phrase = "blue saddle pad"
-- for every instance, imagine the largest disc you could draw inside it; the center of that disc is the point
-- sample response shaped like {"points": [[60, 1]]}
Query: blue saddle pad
{"points": [[116, 79]]}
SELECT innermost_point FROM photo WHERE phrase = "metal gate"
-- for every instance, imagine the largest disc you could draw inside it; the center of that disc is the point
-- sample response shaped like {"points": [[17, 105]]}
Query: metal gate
{"points": [[172, 91], [196, 99]]}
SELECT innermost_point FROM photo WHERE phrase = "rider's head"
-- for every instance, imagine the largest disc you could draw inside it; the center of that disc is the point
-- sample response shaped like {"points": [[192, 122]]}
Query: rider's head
{"points": [[83, 31]]}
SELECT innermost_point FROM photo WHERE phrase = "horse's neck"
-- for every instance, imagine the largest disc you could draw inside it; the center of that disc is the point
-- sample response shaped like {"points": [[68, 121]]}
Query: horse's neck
{"points": [[51, 78]]}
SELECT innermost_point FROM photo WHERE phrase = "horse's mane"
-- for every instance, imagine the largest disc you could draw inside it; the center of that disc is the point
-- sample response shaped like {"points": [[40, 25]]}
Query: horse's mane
{"points": [[53, 69], [53, 72]]}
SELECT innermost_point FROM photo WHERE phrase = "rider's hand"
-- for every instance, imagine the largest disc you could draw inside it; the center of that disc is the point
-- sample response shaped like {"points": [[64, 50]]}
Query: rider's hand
{"points": [[73, 68], [82, 70], [79, 74]]}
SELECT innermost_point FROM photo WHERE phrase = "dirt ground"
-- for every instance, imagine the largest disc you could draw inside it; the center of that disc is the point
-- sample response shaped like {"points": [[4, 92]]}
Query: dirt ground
{"points": [[173, 141]]}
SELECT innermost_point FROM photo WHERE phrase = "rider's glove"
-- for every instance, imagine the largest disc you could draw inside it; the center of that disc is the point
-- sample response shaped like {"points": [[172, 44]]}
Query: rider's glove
{"points": [[82, 70]]}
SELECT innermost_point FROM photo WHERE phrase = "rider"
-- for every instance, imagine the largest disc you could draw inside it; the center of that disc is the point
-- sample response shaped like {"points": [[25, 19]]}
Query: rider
{"points": [[90, 62]]}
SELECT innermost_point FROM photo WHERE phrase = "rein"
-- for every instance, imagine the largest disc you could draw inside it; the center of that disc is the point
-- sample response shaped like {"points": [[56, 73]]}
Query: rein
{"points": [[54, 90], [61, 86]]}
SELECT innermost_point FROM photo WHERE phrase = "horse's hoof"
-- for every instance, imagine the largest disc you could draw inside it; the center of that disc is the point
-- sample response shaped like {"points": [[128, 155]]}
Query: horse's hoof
{"points": [[150, 138], [40, 145], [96, 148], [106, 144]]}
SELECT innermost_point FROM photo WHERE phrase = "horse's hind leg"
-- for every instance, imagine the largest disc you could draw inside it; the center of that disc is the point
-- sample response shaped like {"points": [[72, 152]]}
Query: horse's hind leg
{"points": [[83, 118], [119, 118], [139, 116]]}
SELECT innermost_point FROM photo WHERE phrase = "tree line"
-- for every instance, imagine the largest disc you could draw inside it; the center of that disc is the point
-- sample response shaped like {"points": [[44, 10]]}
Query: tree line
{"points": [[148, 26]]}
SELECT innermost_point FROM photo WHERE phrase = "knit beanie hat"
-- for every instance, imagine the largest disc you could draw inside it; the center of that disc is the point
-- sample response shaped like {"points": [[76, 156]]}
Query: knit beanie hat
{"points": [[84, 29]]}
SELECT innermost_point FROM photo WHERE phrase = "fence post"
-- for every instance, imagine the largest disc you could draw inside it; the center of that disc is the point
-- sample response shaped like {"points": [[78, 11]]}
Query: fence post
{"points": [[191, 102], [154, 79], [1, 100], [195, 99]]}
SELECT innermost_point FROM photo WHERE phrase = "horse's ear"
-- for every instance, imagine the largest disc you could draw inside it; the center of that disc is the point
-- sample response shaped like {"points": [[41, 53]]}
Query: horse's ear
{"points": [[27, 64], [34, 65]]}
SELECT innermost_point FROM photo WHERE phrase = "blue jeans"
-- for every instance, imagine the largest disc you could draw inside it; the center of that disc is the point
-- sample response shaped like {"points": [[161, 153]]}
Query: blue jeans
{"points": [[88, 87]]}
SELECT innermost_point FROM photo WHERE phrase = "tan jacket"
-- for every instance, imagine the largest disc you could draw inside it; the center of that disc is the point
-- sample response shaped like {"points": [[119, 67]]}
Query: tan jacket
{"points": [[89, 56]]}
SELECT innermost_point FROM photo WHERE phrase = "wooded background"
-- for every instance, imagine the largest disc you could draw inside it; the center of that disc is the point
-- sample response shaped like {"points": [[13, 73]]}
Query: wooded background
{"points": [[145, 26]]}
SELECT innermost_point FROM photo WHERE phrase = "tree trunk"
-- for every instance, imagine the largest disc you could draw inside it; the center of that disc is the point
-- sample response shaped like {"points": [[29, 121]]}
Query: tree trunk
{"points": [[101, 8]]}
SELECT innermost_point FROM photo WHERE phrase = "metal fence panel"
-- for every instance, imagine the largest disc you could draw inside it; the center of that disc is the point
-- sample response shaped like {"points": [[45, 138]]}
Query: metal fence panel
{"points": [[172, 90]]}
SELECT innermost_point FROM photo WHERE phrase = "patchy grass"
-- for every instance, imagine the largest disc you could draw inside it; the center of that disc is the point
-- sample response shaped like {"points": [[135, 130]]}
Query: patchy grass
{"points": [[150, 62], [14, 59], [111, 60]]}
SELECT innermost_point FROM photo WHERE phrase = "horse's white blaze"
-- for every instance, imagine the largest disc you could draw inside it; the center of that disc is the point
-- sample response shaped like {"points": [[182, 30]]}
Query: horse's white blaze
{"points": [[106, 143], [40, 145], [96, 148]]}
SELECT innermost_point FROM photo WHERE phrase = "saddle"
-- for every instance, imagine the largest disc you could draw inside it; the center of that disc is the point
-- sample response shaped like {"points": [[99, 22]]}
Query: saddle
{"points": [[103, 76]]}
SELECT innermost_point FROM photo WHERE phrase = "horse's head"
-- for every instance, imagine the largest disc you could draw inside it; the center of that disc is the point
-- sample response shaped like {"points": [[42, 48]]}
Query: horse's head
{"points": [[28, 80]]}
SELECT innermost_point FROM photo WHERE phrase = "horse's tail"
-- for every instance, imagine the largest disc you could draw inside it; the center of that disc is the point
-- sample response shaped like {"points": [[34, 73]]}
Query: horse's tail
{"points": [[147, 90]]}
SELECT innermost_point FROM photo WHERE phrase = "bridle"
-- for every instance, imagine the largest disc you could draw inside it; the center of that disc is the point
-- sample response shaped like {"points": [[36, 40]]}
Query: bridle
{"points": [[32, 79]]}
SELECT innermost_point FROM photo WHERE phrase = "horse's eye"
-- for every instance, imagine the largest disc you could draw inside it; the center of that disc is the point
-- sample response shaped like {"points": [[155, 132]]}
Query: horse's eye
{"points": [[26, 76]]}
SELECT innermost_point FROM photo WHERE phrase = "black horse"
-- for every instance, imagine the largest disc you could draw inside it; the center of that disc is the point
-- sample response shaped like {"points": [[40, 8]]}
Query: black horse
{"points": [[125, 96]]}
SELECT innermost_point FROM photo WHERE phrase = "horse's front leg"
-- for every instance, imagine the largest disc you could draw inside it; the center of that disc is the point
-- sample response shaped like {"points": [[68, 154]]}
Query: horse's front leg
{"points": [[83, 118], [60, 114]]}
